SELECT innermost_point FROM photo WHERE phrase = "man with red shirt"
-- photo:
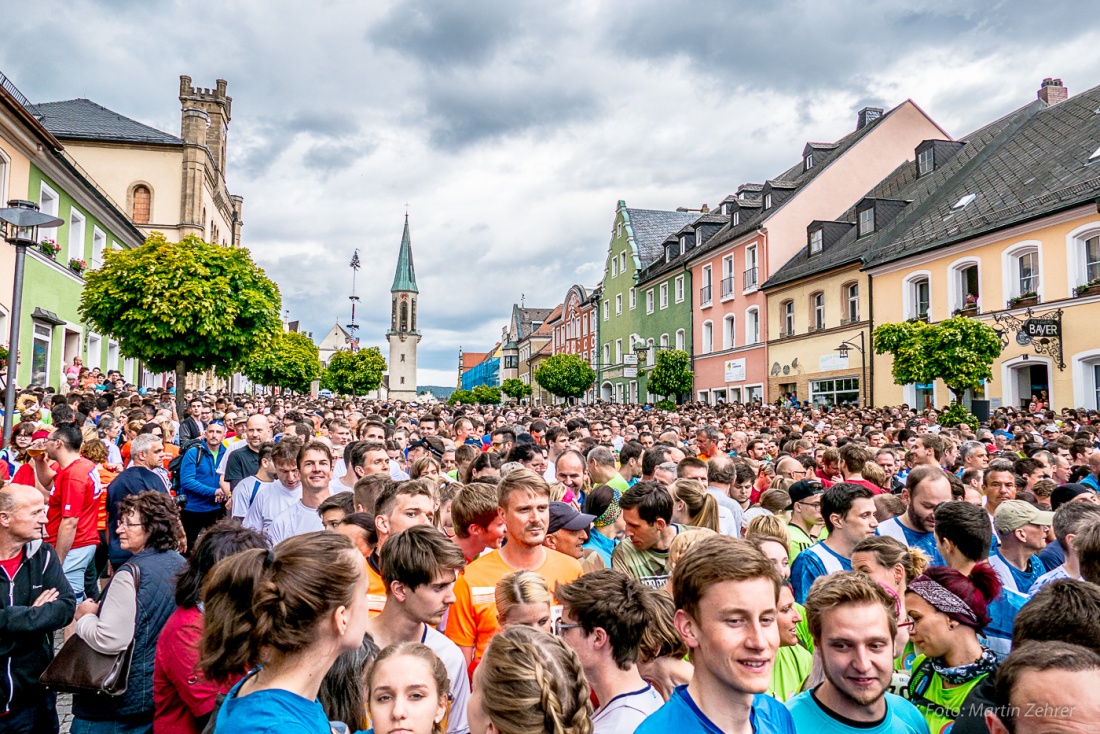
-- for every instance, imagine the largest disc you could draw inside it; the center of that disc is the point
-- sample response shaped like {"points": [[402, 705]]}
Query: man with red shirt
{"points": [[72, 511]]}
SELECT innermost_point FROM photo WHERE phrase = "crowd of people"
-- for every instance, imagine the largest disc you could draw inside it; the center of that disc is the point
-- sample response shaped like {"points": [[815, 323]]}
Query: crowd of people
{"points": [[296, 564]]}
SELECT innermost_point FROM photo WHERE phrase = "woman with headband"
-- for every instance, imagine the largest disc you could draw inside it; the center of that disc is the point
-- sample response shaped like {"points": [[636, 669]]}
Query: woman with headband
{"points": [[609, 526], [948, 611]]}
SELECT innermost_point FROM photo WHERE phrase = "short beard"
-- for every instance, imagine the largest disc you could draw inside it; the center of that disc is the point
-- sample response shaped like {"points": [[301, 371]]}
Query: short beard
{"points": [[864, 701]]}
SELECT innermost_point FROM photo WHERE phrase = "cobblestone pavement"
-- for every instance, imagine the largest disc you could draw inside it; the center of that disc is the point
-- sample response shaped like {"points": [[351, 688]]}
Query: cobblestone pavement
{"points": [[64, 700]]}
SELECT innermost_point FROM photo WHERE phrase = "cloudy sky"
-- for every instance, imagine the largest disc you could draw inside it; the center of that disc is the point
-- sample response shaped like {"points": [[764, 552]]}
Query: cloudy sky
{"points": [[511, 129]]}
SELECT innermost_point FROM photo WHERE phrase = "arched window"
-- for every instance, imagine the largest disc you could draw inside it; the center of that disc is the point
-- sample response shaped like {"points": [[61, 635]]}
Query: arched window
{"points": [[850, 293], [788, 318], [681, 339], [729, 332], [708, 337], [404, 317], [142, 204], [817, 308]]}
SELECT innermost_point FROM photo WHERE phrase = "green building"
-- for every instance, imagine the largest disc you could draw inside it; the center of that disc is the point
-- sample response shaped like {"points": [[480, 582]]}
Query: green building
{"points": [[637, 242]]}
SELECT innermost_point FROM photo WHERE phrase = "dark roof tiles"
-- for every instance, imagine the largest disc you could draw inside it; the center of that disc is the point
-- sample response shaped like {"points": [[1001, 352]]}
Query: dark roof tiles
{"points": [[85, 120]]}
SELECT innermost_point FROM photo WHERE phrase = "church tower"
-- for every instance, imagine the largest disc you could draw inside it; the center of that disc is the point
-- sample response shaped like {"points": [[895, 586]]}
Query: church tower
{"points": [[403, 335]]}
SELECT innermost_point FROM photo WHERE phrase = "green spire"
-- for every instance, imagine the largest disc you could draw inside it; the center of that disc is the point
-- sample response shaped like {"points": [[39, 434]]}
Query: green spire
{"points": [[405, 277]]}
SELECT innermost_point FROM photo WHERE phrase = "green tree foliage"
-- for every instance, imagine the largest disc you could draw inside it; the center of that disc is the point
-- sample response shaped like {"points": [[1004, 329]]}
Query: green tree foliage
{"points": [[462, 397], [290, 361], [565, 376], [957, 413], [354, 373], [960, 351], [516, 388], [487, 395], [182, 306], [672, 374]]}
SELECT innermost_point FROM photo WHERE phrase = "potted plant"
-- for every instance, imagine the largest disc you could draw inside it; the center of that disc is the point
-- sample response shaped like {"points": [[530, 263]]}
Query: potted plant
{"points": [[49, 248], [970, 306], [1030, 298], [1088, 289], [77, 265]]}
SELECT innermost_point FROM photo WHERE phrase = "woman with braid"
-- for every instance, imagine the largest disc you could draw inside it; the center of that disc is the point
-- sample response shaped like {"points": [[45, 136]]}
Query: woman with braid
{"points": [[530, 683]]}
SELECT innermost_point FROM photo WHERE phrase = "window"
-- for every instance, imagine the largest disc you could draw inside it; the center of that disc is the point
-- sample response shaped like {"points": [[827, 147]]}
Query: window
{"points": [[99, 242], [727, 277], [962, 203], [606, 354], [5, 168], [788, 318], [1095, 156], [511, 362], [925, 161], [622, 262], [649, 301], [680, 288], [704, 291], [920, 293], [818, 302], [619, 229], [816, 238], [633, 299], [844, 391], [95, 351], [964, 283], [1092, 259], [618, 351], [618, 303], [737, 217], [664, 341], [614, 267], [664, 295], [809, 161], [752, 325], [1028, 269], [866, 221], [681, 339], [729, 332], [767, 201], [142, 204], [48, 203], [751, 273], [708, 337], [851, 294], [112, 355], [606, 310], [76, 238], [40, 354]]}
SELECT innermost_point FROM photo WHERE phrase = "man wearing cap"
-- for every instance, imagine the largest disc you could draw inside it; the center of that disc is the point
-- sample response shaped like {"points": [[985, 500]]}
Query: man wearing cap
{"points": [[1022, 529], [568, 532], [926, 488], [805, 514]]}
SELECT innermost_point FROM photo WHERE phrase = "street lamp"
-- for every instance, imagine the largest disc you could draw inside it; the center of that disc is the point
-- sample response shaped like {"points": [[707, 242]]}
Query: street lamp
{"points": [[842, 350], [21, 221]]}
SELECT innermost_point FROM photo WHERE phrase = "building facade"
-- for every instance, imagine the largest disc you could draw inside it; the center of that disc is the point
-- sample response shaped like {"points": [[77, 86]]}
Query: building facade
{"points": [[575, 329], [403, 334]]}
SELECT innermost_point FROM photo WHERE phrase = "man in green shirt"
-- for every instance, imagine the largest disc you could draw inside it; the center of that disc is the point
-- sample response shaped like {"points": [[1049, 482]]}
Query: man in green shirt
{"points": [[647, 510], [604, 469], [805, 510]]}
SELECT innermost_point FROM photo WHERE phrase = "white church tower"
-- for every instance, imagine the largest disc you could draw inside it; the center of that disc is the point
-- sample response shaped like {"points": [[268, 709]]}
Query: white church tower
{"points": [[403, 335]]}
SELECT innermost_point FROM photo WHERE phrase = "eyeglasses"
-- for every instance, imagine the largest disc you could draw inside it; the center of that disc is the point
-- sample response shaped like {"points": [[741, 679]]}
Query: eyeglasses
{"points": [[124, 524], [908, 624], [559, 626]]}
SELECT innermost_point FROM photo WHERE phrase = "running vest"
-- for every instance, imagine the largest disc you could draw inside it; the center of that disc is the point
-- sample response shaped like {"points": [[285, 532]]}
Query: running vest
{"points": [[828, 560]]}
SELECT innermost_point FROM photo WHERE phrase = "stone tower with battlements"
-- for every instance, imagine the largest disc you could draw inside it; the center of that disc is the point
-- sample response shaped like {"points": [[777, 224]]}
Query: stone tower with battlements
{"points": [[403, 334], [205, 130]]}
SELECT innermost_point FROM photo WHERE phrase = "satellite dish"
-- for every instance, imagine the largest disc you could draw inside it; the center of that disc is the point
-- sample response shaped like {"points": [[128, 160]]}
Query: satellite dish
{"points": [[794, 363], [775, 369]]}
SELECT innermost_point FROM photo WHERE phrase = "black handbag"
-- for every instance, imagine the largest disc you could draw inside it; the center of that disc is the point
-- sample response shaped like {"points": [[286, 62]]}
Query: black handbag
{"points": [[77, 668]]}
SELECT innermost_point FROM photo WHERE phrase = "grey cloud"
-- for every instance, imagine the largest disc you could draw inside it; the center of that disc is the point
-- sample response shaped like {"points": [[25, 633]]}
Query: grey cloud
{"points": [[448, 34]]}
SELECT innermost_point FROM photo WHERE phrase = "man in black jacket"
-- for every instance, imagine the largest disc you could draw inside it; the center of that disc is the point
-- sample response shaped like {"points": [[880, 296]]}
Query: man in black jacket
{"points": [[35, 601], [191, 428]]}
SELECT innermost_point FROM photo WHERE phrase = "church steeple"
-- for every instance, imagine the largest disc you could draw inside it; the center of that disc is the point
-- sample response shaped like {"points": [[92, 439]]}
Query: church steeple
{"points": [[404, 280]]}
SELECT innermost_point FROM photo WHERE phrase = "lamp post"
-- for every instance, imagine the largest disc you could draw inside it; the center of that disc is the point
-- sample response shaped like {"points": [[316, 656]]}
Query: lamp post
{"points": [[21, 221], [842, 350]]}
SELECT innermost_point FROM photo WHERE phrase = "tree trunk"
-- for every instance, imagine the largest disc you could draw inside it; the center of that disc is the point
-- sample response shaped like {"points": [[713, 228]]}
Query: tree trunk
{"points": [[957, 393], [181, 375]]}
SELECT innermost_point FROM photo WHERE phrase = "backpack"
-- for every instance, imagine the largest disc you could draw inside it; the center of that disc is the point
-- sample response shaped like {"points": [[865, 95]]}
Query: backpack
{"points": [[175, 466]]}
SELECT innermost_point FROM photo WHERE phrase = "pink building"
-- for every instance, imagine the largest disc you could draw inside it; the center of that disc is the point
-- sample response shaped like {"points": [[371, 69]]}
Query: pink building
{"points": [[766, 227], [574, 330]]}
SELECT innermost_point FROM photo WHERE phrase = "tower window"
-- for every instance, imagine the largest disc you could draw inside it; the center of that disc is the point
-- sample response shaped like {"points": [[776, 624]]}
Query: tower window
{"points": [[402, 380], [402, 357]]}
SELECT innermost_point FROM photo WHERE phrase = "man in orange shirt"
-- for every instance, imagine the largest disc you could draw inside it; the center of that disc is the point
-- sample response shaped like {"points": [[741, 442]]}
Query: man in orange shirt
{"points": [[525, 507]]}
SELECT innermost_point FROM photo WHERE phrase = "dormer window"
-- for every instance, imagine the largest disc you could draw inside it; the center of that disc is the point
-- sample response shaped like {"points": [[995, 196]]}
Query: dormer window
{"points": [[809, 161], [767, 201], [683, 243], [926, 161], [816, 238], [963, 202], [867, 221], [725, 209]]}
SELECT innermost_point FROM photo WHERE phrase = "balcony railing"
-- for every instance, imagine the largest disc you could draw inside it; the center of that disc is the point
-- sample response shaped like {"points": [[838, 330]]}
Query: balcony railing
{"points": [[727, 286], [704, 295], [750, 278]]}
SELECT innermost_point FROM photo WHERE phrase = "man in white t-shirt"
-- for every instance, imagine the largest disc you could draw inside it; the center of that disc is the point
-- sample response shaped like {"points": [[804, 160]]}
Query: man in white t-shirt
{"points": [[273, 498], [249, 487], [603, 618], [315, 468], [419, 569]]}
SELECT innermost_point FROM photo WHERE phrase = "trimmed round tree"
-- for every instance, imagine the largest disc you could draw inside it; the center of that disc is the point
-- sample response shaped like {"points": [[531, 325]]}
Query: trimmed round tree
{"points": [[565, 376], [516, 388], [672, 374], [486, 395], [290, 361], [182, 306], [354, 373]]}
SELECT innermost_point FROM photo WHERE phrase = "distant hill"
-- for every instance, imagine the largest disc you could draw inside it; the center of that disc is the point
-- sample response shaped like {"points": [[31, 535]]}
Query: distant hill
{"points": [[442, 393]]}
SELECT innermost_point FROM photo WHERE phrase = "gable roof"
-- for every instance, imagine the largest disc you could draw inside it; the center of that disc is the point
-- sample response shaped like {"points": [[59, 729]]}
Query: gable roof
{"points": [[1039, 165], [523, 318], [902, 184], [83, 119], [650, 227]]}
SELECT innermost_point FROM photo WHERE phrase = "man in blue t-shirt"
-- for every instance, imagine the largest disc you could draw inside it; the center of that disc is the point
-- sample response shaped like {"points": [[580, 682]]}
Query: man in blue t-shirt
{"points": [[853, 621], [926, 488], [848, 511], [726, 594], [1023, 529]]}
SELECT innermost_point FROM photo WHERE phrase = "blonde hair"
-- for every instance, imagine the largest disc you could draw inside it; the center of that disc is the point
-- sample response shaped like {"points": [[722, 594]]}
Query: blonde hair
{"points": [[520, 480], [889, 552], [682, 542], [420, 466], [701, 504], [416, 650], [768, 527], [520, 587], [775, 500], [533, 683], [874, 474], [557, 492], [660, 638]]}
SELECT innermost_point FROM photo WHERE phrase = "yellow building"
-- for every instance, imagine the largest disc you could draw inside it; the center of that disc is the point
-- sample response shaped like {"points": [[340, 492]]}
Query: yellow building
{"points": [[1012, 237]]}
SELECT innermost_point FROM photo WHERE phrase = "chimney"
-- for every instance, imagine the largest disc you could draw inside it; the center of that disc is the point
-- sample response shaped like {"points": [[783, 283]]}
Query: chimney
{"points": [[866, 116], [1052, 92]]}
